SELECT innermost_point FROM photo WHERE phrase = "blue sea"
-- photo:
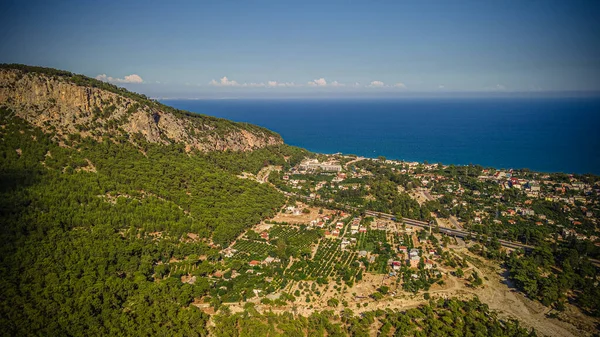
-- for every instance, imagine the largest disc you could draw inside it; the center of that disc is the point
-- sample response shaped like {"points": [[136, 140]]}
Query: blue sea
{"points": [[542, 134]]}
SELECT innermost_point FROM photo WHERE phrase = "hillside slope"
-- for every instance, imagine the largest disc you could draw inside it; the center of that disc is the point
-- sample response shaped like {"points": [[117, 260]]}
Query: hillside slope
{"points": [[63, 103], [109, 201]]}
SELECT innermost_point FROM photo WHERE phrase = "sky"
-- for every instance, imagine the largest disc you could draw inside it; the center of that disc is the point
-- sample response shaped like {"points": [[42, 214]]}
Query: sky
{"points": [[220, 49]]}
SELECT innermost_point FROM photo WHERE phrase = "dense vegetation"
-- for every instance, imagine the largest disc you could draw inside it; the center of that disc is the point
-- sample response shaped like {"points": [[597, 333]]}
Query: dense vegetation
{"points": [[557, 277], [438, 318], [87, 228]]}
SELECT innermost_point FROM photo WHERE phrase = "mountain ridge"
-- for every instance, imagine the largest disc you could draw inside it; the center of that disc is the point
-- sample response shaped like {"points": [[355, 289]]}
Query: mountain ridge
{"points": [[64, 103]]}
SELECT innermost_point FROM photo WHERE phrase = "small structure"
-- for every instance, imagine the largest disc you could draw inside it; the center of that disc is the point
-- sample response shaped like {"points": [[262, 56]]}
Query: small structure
{"points": [[414, 261]]}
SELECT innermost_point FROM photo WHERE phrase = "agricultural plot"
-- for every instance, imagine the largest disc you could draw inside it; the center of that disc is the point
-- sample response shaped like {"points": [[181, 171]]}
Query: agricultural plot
{"points": [[330, 261], [371, 240], [298, 238], [252, 250], [380, 265]]}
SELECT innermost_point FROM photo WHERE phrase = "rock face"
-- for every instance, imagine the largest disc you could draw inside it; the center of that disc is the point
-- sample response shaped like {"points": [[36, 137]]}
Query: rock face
{"points": [[57, 104]]}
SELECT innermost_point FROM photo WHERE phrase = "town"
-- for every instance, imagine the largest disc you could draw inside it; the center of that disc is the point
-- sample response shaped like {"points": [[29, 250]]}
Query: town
{"points": [[328, 247]]}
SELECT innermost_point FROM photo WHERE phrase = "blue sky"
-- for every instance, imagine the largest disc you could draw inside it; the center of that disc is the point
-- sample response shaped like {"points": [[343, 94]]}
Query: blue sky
{"points": [[187, 48]]}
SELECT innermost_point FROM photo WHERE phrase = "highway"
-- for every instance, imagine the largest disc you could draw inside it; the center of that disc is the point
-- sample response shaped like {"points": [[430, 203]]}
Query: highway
{"points": [[448, 231], [459, 233]]}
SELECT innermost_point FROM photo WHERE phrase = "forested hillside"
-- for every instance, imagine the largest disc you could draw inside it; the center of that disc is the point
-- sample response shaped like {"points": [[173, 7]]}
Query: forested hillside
{"points": [[86, 227]]}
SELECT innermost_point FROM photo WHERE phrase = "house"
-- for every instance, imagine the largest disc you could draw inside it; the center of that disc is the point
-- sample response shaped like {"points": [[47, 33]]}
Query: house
{"points": [[339, 225], [527, 211], [403, 249], [269, 260], [396, 265], [428, 264], [362, 229], [414, 252], [229, 252], [534, 187], [414, 261], [253, 263], [264, 235], [362, 253]]}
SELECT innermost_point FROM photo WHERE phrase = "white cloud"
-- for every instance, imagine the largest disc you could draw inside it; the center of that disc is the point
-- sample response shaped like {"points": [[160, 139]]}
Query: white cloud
{"points": [[337, 84], [224, 82], [377, 84], [356, 84], [133, 78], [318, 82], [280, 84], [441, 87], [253, 85], [500, 87], [400, 85]]}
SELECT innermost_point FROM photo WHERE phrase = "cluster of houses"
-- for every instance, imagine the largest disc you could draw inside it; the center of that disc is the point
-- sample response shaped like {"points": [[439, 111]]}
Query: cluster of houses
{"points": [[412, 258], [267, 261], [356, 227]]}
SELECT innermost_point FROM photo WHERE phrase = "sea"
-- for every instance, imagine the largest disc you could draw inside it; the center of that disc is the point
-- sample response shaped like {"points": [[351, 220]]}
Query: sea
{"points": [[541, 134]]}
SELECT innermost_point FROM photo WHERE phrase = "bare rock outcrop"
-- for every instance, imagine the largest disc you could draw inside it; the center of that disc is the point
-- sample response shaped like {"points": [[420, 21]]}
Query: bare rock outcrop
{"points": [[59, 105]]}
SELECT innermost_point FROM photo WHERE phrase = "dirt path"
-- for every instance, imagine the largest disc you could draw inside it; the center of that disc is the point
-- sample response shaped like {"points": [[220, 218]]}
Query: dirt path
{"points": [[498, 294], [315, 248], [263, 175]]}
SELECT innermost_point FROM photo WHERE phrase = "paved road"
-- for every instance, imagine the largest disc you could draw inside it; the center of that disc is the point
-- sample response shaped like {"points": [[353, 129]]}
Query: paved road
{"points": [[460, 233], [353, 161], [448, 231]]}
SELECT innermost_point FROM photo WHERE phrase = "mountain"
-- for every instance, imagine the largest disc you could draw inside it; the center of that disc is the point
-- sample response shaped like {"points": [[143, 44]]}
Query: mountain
{"points": [[108, 199], [65, 103]]}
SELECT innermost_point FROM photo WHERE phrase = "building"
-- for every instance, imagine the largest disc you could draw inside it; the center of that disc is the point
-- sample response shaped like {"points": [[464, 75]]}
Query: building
{"points": [[313, 165], [414, 261]]}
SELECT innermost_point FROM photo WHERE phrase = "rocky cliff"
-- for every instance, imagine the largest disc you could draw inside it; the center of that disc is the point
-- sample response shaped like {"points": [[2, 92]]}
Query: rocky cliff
{"points": [[65, 104]]}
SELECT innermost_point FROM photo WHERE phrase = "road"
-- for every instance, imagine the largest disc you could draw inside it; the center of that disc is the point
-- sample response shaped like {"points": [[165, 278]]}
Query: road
{"points": [[459, 233], [449, 231], [263, 175], [353, 161]]}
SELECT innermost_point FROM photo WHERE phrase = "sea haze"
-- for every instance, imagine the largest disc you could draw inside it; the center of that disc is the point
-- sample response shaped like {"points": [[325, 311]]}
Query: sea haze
{"points": [[542, 134]]}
